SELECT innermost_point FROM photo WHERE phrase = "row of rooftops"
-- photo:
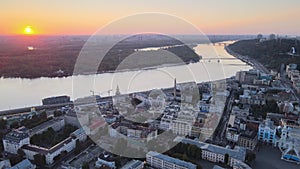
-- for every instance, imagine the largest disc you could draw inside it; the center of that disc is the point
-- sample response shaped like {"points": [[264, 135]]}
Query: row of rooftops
{"points": [[238, 153], [42, 150], [46, 124], [22, 133], [45, 151]]}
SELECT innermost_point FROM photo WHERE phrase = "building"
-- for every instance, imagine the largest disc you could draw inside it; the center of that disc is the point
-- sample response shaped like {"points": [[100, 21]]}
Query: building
{"points": [[14, 140], [241, 165], [204, 106], [134, 164], [217, 154], [248, 139], [126, 128], [267, 132], [289, 142], [238, 112], [232, 134], [160, 161], [72, 117], [56, 124], [66, 145], [56, 100], [182, 127], [290, 67], [25, 164], [247, 76], [165, 123], [79, 134], [106, 160], [5, 164], [217, 167]]}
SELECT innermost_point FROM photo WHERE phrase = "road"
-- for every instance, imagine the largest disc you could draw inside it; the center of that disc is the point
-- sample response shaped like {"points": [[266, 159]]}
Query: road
{"points": [[286, 83], [219, 137], [255, 64]]}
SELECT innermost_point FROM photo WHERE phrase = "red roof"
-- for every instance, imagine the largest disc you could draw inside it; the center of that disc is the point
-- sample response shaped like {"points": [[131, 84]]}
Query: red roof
{"points": [[97, 124]]}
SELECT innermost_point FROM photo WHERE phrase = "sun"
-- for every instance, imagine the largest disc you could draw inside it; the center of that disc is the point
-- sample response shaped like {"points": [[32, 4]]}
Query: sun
{"points": [[28, 30]]}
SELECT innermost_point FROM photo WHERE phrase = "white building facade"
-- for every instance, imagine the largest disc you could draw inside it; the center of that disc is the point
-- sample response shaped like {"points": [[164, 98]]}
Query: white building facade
{"points": [[14, 140]]}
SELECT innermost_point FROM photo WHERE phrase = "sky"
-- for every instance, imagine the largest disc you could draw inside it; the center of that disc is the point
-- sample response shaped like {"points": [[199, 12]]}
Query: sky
{"points": [[84, 17]]}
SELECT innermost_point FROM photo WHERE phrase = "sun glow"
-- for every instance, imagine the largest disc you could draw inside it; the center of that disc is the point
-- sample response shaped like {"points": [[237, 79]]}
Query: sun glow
{"points": [[28, 30]]}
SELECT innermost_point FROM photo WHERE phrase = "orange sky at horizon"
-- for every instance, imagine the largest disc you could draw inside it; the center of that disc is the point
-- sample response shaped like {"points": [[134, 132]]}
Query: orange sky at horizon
{"points": [[76, 17]]}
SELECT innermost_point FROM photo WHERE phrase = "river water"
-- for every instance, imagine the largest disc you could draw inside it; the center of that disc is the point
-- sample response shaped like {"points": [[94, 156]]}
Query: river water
{"points": [[216, 64]]}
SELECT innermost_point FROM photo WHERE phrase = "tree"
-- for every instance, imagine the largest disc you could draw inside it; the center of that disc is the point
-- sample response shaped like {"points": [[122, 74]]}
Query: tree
{"points": [[21, 153], [199, 167], [226, 158], [57, 113], [43, 115], [272, 36], [39, 159], [15, 124], [78, 147], [15, 159], [3, 124], [185, 157], [85, 166], [250, 157], [259, 36]]}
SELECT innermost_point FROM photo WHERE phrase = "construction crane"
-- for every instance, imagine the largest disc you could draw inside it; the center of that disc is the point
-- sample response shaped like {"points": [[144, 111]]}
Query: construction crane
{"points": [[108, 92]]}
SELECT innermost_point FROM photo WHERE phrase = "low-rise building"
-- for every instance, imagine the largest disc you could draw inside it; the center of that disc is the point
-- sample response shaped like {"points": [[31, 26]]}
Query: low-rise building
{"points": [[232, 134], [241, 165], [14, 140], [79, 134], [160, 161], [106, 160], [289, 142], [217, 154], [248, 139], [240, 112], [182, 127], [204, 106], [267, 132], [5, 164], [66, 145], [56, 124], [25, 164], [134, 164]]}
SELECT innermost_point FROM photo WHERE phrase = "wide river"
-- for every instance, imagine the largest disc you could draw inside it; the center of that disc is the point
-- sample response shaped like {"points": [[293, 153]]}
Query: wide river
{"points": [[18, 92]]}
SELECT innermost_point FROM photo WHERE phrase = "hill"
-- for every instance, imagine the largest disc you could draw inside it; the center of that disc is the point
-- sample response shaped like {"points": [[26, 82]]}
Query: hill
{"points": [[271, 53]]}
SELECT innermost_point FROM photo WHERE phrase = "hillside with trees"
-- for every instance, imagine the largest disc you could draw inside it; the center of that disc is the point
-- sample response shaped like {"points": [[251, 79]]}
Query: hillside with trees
{"points": [[271, 51]]}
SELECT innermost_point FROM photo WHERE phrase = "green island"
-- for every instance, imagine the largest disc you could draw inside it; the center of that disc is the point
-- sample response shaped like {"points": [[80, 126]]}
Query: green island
{"points": [[43, 56]]}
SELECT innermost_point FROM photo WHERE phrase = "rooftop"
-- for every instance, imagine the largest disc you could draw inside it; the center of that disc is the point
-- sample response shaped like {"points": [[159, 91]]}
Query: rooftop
{"points": [[46, 125], [25, 164], [268, 123], [43, 150], [238, 153], [132, 164], [16, 136], [172, 160]]}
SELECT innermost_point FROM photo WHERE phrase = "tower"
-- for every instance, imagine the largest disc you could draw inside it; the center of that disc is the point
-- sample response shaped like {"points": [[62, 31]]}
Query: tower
{"points": [[118, 91], [174, 92]]}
